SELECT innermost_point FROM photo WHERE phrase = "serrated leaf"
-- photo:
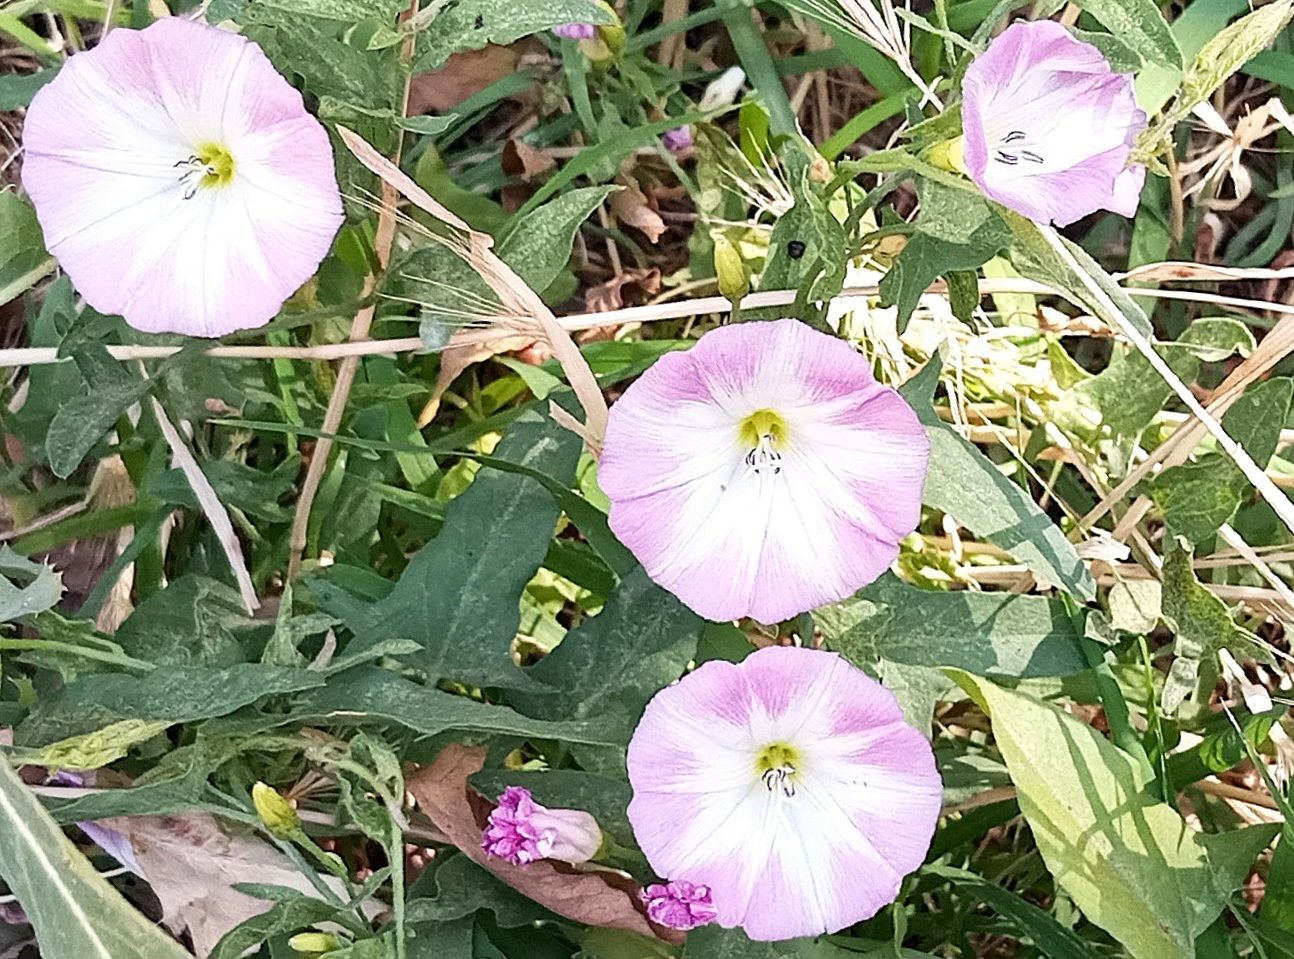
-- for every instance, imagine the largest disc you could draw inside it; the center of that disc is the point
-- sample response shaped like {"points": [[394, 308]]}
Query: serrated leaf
{"points": [[76, 913], [1139, 25], [471, 24], [26, 587], [1129, 862], [538, 245], [459, 597], [1000, 634]]}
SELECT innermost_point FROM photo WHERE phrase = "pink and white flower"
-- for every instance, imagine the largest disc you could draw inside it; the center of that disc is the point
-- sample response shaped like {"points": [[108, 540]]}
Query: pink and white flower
{"points": [[1048, 126], [788, 785], [179, 180], [763, 472], [679, 905], [520, 830]]}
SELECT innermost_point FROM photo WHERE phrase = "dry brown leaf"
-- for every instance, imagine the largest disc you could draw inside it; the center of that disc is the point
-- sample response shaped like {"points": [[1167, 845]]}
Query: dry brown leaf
{"points": [[463, 75], [466, 347], [597, 898], [632, 208], [521, 159], [629, 285], [517, 298], [192, 862]]}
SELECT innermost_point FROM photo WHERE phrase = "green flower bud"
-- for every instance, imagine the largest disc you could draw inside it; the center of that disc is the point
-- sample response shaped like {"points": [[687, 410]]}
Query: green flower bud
{"points": [[734, 283], [312, 943], [276, 812], [949, 155]]}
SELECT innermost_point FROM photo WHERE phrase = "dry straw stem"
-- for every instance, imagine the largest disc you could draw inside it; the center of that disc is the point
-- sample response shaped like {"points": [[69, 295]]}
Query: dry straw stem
{"points": [[210, 503], [678, 309], [383, 241], [511, 290], [1269, 491]]}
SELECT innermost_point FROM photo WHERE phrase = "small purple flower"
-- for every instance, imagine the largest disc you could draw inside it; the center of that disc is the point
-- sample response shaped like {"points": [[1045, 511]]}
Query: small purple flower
{"points": [[576, 31], [521, 831], [677, 140], [1048, 125], [679, 904]]}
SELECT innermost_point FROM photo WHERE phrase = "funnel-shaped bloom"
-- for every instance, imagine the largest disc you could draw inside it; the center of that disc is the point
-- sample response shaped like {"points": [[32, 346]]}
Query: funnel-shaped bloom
{"points": [[521, 831], [763, 472], [1048, 125], [179, 180], [788, 785]]}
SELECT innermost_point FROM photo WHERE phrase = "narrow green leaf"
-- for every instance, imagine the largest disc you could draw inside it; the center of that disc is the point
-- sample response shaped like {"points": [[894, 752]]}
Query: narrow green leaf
{"points": [[538, 245], [41, 586], [76, 914]]}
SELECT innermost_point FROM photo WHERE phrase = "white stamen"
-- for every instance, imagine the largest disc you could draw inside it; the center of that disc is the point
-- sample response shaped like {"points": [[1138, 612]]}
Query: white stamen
{"points": [[764, 457], [195, 170]]}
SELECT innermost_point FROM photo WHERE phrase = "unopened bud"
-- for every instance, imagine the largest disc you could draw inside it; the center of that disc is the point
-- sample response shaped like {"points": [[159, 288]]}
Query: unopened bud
{"points": [[276, 813], [949, 155], [313, 943], [730, 270]]}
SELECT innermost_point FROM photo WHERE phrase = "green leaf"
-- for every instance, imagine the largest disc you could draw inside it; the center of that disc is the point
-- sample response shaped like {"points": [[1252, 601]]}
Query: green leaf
{"points": [[459, 597], [76, 913], [109, 390], [538, 245], [1129, 393], [350, 11], [956, 231], [471, 24], [371, 695], [286, 916], [1048, 936], [17, 89], [463, 888], [1278, 903], [99, 748], [1218, 59], [23, 259], [1130, 862], [188, 623], [41, 586], [170, 693], [1139, 25], [966, 485], [1198, 498], [1202, 624], [614, 662], [713, 942], [1001, 634]]}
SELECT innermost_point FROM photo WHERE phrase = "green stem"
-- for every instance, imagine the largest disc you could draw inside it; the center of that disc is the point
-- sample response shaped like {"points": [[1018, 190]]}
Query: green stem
{"points": [[739, 21]]}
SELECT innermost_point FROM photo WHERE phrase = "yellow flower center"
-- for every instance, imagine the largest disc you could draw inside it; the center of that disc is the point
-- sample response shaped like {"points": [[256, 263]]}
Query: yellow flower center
{"points": [[218, 163], [761, 425], [778, 766]]}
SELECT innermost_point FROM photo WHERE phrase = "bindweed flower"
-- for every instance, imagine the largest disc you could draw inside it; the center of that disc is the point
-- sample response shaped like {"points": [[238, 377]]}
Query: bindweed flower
{"points": [[179, 180], [788, 785], [521, 831], [576, 31], [763, 472], [679, 905], [677, 140], [1048, 125]]}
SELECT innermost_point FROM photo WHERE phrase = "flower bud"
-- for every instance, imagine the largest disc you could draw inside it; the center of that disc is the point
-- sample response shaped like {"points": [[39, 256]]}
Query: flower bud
{"points": [[734, 283], [276, 813], [949, 155], [313, 943], [520, 830]]}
